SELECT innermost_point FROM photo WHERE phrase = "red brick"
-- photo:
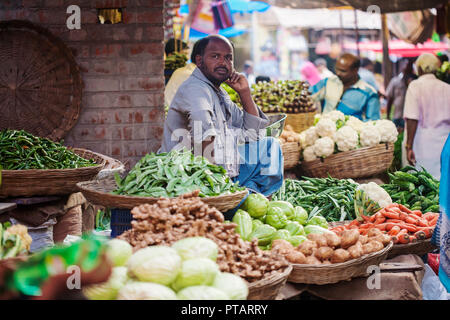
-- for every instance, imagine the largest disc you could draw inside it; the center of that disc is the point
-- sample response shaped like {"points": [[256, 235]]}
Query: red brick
{"points": [[80, 51], [88, 17], [98, 84], [54, 3], [104, 67], [135, 148], [111, 3], [155, 133], [77, 35], [100, 147], [91, 133], [139, 132], [154, 67], [138, 33], [116, 149], [155, 114], [121, 101], [107, 50], [53, 16], [127, 133], [154, 33], [153, 50], [95, 117], [142, 83], [148, 3], [122, 116], [98, 100], [127, 67]]}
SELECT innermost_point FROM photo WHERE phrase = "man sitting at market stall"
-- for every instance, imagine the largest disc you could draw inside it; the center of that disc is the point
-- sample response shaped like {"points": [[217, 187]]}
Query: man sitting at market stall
{"points": [[203, 118], [347, 92]]}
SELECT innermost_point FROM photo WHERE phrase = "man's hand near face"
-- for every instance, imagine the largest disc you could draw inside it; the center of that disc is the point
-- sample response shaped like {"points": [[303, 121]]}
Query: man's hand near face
{"points": [[239, 83]]}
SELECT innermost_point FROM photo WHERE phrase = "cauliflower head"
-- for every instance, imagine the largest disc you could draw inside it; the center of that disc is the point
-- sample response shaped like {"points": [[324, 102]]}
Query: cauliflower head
{"points": [[376, 193], [355, 123], [387, 129], [334, 115], [325, 127], [308, 137], [346, 138], [324, 147], [308, 154], [369, 136]]}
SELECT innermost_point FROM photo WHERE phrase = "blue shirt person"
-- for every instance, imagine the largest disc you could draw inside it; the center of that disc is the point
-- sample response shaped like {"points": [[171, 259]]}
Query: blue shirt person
{"points": [[347, 92]]}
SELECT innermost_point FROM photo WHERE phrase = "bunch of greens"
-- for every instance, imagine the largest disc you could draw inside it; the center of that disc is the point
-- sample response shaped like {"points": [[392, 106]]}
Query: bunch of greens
{"points": [[416, 189], [173, 174], [331, 198], [21, 150], [175, 61]]}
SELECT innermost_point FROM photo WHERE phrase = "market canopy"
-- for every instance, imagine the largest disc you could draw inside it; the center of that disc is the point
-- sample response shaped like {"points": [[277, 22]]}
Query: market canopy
{"points": [[385, 6]]}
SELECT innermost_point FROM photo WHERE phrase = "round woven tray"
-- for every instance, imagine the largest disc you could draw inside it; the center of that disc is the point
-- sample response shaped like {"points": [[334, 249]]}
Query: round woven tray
{"points": [[300, 121], [268, 289], [111, 167], [419, 248], [47, 182], [291, 154], [358, 163], [98, 192], [333, 273], [40, 82]]}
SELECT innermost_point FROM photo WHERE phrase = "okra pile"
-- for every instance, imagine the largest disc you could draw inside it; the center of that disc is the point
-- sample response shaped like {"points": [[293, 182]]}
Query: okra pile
{"points": [[175, 173], [415, 189], [331, 198], [20, 150]]}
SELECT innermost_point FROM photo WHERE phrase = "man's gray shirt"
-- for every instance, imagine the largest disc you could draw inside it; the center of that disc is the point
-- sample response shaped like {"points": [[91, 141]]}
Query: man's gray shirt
{"points": [[200, 111]]}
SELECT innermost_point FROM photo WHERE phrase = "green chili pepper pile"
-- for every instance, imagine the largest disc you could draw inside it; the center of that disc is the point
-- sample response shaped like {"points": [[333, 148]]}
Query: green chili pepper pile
{"points": [[20, 150], [173, 174], [331, 198], [416, 189]]}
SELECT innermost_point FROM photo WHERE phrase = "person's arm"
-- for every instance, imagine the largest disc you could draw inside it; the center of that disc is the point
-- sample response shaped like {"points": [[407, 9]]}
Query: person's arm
{"points": [[411, 127], [239, 83]]}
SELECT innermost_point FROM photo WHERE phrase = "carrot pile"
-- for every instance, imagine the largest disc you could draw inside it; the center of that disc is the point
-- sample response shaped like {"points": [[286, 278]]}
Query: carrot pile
{"points": [[402, 224]]}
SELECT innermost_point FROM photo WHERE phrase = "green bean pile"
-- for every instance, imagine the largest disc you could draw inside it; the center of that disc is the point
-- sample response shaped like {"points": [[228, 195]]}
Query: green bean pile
{"points": [[20, 150], [173, 174], [331, 198]]}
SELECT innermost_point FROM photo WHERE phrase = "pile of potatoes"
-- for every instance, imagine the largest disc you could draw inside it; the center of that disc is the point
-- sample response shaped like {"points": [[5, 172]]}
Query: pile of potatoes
{"points": [[289, 135], [329, 248]]}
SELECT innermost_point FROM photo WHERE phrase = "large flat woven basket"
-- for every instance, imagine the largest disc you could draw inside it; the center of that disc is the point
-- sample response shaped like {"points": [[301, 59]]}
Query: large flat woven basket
{"points": [[46, 182], [333, 273], [99, 192], [291, 154], [268, 289], [300, 121], [358, 163]]}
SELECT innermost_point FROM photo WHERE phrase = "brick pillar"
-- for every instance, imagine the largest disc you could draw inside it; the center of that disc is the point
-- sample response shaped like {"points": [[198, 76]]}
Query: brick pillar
{"points": [[122, 69]]}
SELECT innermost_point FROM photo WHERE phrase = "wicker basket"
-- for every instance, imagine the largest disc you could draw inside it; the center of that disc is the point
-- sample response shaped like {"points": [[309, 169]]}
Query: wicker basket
{"points": [[419, 248], [358, 163], [268, 289], [98, 192], [333, 273], [47, 182], [41, 84], [291, 154], [111, 167], [300, 121]]}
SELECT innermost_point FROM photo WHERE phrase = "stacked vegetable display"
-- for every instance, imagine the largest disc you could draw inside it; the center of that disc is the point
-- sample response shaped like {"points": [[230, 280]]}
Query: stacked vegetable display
{"points": [[187, 270], [397, 221], [175, 173], [286, 96], [289, 135], [264, 220], [415, 189], [335, 132], [20, 150], [14, 240], [170, 220], [175, 60]]}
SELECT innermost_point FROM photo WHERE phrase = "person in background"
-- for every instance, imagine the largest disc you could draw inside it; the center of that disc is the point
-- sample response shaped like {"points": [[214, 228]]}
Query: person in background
{"points": [[396, 91], [248, 72], [346, 92], [310, 73], [321, 65], [178, 77], [427, 115], [366, 72]]}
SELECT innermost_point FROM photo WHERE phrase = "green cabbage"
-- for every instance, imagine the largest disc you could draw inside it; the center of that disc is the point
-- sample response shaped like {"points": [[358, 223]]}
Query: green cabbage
{"points": [[202, 293], [286, 207], [157, 264], [318, 221], [300, 215], [118, 251], [234, 286], [145, 291], [196, 247], [256, 205], [195, 272], [276, 218], [109, 289]]}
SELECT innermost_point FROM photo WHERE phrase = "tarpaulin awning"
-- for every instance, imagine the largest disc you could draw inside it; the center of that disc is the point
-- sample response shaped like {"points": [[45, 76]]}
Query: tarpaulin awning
{"points": [[386, 6], [399, 47], [237, 6], [228, 32]]}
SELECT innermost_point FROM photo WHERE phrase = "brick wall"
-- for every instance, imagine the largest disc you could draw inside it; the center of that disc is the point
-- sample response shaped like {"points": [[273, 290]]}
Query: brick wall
{"points": [[122, 69]]}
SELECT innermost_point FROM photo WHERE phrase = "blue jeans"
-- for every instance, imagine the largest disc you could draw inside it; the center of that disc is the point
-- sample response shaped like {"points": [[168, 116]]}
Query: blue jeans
{"points": [[261, 169]]}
